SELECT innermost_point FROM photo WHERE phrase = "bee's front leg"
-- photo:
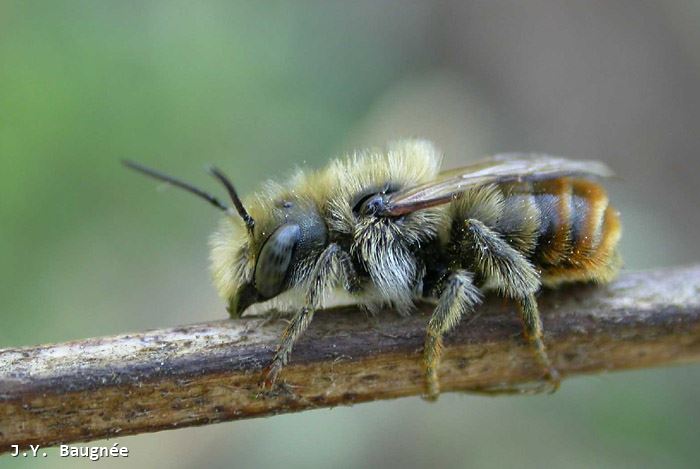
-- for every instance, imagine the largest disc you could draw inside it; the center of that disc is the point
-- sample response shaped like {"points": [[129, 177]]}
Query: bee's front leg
{"points": [[295, 329], [333, 267], [458, 296]]}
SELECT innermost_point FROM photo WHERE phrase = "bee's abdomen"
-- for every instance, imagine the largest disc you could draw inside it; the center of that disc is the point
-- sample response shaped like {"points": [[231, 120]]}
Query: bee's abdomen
{"points": [[563, 226], [578, 231]]}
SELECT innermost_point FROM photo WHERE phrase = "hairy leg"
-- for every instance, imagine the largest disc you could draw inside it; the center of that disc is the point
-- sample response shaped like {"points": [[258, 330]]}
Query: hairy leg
{"points": [[333, 267], [458, 297], [532, 322], [513, 276], [295, 329]]}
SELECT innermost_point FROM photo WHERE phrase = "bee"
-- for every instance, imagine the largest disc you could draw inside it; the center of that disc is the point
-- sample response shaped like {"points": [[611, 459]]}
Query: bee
{"points": [[388, 228]]}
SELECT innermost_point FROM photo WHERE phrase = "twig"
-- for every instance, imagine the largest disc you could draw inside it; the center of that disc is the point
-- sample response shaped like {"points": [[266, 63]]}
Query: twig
{"points": [[206, 373]]}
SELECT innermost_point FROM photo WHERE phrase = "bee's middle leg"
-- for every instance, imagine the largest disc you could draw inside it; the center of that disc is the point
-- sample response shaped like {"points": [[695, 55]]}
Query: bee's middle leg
{"points": [[458, 297]]}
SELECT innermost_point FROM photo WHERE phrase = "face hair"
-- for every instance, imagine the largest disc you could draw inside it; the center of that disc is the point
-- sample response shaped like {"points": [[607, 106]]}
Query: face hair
{"points": [[250, 223]]}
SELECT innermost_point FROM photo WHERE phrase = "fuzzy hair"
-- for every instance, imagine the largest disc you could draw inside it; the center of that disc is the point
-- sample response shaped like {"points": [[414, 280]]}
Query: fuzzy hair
{"points": [[502, 266], [383, 246], [405, 164], [485, 203], [508, 209], [233, 252]]}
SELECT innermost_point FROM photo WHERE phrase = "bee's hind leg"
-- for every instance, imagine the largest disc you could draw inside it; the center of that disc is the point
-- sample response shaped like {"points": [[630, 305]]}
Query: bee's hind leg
{"points": [[514, 276], [458, 297], [533, 333], [532, 323]]}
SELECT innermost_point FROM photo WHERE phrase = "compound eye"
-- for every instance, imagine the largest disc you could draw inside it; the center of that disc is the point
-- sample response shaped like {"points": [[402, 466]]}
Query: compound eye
{"points": [[274, 260]]}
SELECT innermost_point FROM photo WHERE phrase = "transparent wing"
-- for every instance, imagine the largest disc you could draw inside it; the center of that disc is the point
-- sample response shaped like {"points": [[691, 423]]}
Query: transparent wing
{"points": [[507, 167]]}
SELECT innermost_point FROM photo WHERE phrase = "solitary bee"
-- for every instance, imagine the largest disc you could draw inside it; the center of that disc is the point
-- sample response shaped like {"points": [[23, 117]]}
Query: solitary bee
{"points": [[388, 228]]}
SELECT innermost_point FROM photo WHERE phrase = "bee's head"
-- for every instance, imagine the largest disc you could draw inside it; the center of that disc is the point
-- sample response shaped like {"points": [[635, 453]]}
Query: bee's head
{"points": [[275, 256], [258, 255]]}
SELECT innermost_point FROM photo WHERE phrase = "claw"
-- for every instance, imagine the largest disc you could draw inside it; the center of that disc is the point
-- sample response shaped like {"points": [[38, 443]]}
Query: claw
{"points": [[553, 380], [431, 395], [270, 375], [432, 386]]}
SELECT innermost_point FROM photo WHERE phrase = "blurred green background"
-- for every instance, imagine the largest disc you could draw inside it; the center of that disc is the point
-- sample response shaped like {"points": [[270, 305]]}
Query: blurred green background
{"points": [[88, 249]]}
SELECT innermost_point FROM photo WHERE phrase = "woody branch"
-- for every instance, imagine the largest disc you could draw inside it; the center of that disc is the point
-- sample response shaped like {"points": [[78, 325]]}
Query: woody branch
{"points": [[207, 373]]}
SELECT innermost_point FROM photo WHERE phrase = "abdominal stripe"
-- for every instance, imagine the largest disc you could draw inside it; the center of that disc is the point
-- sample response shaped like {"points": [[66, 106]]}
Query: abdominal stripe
{"points": [[572, 214], [556, 223]]}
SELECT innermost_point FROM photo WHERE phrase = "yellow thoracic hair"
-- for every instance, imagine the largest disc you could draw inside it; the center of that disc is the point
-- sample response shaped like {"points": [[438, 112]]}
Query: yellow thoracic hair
{"points": [[329, 190], [404, 164]]}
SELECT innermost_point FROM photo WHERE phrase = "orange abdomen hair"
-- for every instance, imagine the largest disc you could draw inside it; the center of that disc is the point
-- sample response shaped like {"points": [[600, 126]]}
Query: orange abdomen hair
{"points": [[578, 233]]}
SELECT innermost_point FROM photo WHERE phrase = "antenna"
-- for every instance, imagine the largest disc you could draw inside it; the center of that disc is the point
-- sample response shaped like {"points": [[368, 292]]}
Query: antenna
{"points": [[250, 223]]}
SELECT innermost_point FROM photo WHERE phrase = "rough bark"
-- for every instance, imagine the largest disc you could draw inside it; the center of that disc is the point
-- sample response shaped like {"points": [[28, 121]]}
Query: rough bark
{"points": [[207, 373]]}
